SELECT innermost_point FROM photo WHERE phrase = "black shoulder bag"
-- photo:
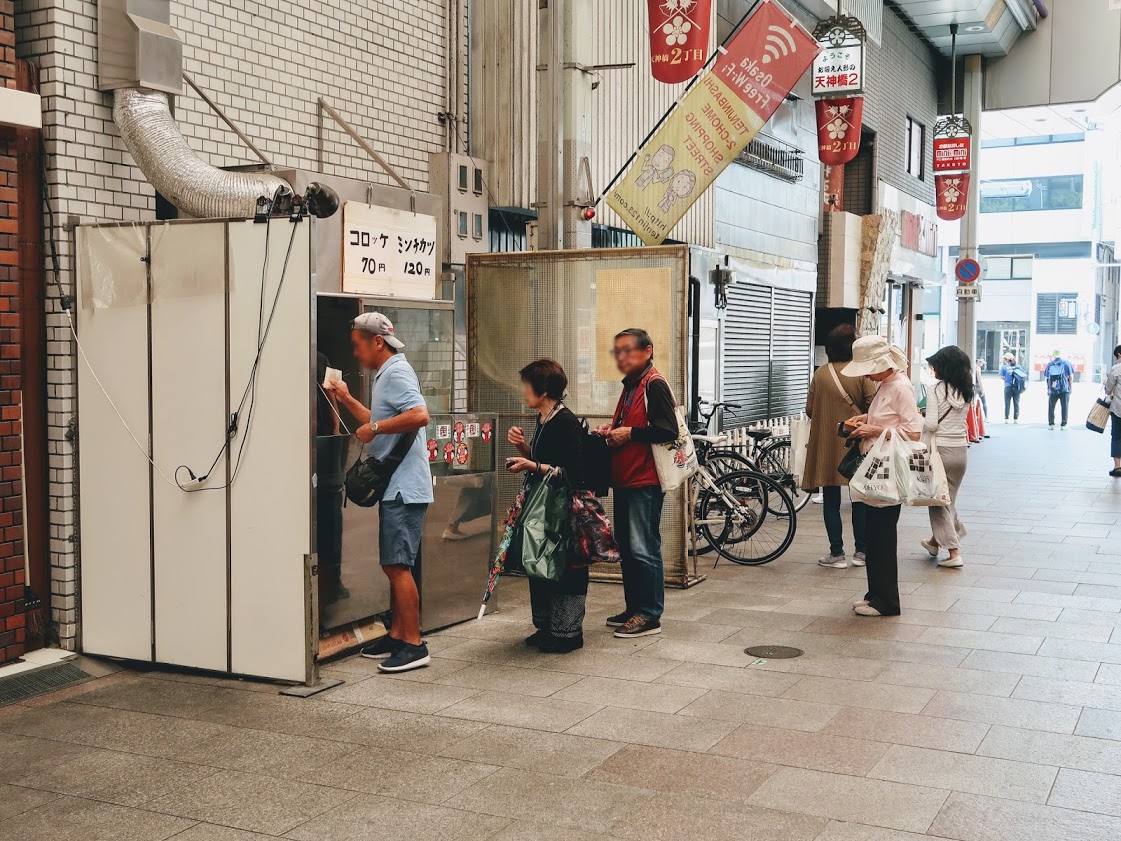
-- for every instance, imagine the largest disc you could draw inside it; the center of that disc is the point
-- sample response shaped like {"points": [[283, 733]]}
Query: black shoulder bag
{"points": [[368, 478]]}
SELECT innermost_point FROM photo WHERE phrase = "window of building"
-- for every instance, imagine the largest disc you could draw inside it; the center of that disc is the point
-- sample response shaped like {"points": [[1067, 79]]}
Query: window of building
{"points": [[1032, 140], [915, 147], [477, 225], [478, 181], [463, 178], [1012, 195], [1056, 313], [1008, 268], [461, 216]]}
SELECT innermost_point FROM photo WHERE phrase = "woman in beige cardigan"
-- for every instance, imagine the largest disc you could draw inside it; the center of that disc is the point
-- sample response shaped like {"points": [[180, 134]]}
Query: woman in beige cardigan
{"points": [[833, 399]]}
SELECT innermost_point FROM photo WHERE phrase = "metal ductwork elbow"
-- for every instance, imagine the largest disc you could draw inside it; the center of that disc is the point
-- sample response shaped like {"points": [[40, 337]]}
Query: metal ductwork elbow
{"points": [[151, 135], [140, 59]]}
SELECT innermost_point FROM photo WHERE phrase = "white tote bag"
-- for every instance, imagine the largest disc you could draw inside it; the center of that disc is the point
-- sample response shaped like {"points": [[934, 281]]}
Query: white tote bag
{"points": [[877, 481], [799, 444], [677, 460], [926, 482]]}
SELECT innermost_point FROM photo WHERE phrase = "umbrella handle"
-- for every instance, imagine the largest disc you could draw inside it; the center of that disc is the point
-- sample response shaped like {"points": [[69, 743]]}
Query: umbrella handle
{"points": [[482, 610]]}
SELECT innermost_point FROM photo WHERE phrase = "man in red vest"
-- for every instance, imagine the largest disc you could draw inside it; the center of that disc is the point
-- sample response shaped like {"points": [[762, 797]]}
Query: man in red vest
{"points": [[644, 416]]}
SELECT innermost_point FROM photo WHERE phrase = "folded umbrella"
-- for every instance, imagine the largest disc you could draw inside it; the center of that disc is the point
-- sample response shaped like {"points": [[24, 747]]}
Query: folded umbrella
{"points": [[499, 562]]}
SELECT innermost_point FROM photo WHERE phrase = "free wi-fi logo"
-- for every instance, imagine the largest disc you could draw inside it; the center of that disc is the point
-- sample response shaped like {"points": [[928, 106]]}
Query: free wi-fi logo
{"points": [[779, 43]]}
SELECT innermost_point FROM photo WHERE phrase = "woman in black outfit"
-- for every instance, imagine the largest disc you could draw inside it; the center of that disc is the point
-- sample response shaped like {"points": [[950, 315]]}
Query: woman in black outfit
{"points": [[558, 606]]}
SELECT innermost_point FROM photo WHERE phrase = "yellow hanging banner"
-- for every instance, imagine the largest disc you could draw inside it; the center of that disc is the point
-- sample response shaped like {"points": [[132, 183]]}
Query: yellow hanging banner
{"points": [[713, 122]]}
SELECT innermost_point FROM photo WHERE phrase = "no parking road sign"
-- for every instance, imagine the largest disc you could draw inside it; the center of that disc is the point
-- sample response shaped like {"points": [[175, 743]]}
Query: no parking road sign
{"points": [[967, 270]]}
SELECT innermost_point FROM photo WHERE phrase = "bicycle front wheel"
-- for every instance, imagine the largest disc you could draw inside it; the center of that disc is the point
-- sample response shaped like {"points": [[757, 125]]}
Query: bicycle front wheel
{"points": [[747, 518]]}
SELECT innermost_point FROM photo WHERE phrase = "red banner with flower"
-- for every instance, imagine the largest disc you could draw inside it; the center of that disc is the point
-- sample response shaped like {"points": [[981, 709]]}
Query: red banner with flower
{"points": [[952, 191], [679, 32], [838, 128]]}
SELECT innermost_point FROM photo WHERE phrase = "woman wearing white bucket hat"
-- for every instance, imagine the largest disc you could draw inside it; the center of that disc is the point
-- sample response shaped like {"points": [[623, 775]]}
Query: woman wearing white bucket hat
{"points": [[893, 408]]}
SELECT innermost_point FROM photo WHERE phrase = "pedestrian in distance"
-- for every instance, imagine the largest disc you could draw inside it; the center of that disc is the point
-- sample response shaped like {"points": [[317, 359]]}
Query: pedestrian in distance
{"points": [[1059, 375], [1113, 393], [397, 409], [979, 386], [556, 443], [946, 424], [1015, 381], [892, 409], [832, 399], [644, 416]]}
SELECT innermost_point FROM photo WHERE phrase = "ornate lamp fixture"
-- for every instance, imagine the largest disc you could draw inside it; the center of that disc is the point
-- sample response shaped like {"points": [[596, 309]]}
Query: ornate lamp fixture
{"points": [[953, 147], [838, 79]]}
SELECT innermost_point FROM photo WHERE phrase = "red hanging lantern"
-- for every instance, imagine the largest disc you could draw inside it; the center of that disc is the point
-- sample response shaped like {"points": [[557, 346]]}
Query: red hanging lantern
{"points": [[838, 128], [952, 191], [679, 33]]}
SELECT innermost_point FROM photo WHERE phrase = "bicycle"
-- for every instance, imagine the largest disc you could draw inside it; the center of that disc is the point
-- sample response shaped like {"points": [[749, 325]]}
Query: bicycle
{"points": [[744, 515], [769, 453]]}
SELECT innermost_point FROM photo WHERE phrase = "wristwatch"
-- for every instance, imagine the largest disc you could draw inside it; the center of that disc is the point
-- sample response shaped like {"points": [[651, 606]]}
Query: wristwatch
{"points": [[374, 427]]}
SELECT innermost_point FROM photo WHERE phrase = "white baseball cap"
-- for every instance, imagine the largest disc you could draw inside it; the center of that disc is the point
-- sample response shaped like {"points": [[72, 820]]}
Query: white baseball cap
{"points": [[378, 325]]}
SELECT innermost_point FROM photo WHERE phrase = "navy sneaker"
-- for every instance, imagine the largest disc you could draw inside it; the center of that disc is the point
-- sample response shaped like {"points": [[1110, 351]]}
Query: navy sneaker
{"points": [[618, 620], [381, 648], [406, 658]]}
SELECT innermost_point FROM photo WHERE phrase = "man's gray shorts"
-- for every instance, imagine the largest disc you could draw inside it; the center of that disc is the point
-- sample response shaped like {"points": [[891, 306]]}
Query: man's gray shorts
{"points": [[401, 527]]}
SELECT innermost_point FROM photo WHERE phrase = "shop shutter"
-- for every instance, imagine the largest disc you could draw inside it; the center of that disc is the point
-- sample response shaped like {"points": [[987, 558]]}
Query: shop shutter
{"points": [[747, 339], [768, 334], [791, 344]]}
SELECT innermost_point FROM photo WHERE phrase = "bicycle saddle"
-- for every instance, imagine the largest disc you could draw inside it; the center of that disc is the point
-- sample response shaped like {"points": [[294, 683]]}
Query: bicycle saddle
{"points": [[759, 434], [710, 439]]}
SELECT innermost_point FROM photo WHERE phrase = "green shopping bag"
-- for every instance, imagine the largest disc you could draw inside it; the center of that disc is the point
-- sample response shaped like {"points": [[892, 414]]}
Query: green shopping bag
{"points": [[545, 530]]}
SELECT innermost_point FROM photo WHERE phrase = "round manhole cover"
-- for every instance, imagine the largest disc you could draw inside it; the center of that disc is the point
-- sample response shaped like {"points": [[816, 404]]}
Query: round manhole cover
{"points": [[774, 652]]}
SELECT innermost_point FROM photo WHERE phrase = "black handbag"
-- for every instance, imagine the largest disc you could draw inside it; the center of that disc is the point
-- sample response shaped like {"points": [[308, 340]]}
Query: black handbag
{"points": [[850, 463], [368, 478]]}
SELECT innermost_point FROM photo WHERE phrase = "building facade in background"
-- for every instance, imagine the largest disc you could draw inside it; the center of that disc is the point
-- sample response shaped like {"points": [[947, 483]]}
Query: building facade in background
{"points": [[1042, 235]]}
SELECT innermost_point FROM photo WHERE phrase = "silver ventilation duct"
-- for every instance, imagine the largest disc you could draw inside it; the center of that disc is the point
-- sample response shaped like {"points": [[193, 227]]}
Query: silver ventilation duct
{"points": [[140, 59], [198, 189]]}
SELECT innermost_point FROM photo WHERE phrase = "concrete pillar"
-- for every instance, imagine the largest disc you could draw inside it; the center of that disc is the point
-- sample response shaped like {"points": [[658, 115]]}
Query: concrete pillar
{"points": [[971, 107], [564, 130]]}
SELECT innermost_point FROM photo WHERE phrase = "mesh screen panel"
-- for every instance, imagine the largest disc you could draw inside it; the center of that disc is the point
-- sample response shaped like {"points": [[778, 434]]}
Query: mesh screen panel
{"points": [[526, 305]]}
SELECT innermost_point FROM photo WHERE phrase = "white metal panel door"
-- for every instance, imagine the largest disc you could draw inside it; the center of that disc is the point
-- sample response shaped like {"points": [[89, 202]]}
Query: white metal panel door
{"points": [[116, 580], [270, 498], [188, 428]]}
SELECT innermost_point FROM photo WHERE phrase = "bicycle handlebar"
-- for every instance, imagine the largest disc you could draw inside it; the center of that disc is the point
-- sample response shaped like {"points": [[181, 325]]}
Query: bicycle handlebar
{"points": [[712, 407]]}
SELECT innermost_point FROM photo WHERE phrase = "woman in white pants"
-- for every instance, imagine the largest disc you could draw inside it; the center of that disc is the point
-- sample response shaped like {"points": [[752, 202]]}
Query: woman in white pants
{"points": [[947, 407]]}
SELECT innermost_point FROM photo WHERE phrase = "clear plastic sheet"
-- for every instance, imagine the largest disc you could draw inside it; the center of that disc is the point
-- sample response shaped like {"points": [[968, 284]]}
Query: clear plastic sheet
{"points": [[111, 270], [188, 259]]}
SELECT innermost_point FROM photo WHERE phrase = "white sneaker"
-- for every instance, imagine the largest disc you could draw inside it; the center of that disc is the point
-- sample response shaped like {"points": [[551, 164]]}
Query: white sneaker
{"points": [[858, 559], [833, 562], [952, 563], [866, 610], [930, 546], [818, 499], [860, 603]]}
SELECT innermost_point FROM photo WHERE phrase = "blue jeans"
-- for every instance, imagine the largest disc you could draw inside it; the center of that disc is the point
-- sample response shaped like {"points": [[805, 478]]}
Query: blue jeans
{"points": [[638, 522]]}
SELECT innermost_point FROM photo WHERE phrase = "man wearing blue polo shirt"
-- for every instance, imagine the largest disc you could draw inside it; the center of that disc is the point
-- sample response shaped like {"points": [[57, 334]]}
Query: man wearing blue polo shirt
{"points": [[397, 409]]}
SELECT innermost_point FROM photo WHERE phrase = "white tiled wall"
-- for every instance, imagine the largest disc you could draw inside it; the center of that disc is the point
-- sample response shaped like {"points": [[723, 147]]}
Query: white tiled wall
{"points": [[381, 63]]}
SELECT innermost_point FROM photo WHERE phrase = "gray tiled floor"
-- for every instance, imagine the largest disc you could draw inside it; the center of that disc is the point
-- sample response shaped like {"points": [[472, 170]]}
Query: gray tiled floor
{"points": [[989, 711]]}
